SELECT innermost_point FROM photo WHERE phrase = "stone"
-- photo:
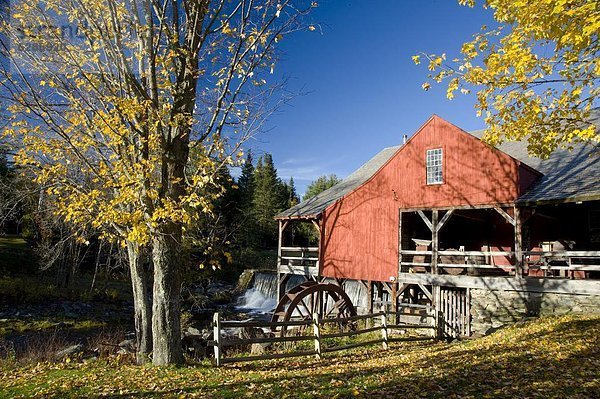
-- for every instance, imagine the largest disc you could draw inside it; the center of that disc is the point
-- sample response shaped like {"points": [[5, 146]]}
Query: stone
{"points": [[69, 351], [193, 331], [128, 346]]}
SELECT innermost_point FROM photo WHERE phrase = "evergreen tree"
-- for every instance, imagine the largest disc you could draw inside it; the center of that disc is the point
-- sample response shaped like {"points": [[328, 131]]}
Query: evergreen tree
{"points": [[292, 195], [246, 182], [321, 184], [305, 233], [245, 212], [268, 200]]}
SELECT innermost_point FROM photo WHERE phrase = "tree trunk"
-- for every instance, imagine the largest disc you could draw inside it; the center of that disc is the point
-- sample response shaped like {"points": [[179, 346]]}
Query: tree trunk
{"points": [[141, 303], [166, 327]]}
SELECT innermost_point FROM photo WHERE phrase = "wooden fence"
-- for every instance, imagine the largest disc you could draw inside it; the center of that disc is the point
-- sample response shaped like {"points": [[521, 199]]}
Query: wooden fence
{"points": [[375, 322]]}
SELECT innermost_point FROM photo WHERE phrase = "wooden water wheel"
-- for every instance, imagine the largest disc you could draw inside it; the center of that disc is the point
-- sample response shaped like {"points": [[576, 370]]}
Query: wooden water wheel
{"points": [[310, 297]]}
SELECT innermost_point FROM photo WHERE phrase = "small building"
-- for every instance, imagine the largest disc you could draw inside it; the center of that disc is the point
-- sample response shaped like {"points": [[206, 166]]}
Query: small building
{"points": [[486, 235]]}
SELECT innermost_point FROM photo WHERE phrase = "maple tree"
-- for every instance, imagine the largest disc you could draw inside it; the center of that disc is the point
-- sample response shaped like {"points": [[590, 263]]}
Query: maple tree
{"points": [[535, 74], [106, 118]]}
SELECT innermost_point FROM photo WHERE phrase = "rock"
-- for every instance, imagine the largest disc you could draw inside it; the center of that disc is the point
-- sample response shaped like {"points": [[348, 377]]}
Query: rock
{"points": [[245, 280], [69, 351], [192, 331], [128, 346]]}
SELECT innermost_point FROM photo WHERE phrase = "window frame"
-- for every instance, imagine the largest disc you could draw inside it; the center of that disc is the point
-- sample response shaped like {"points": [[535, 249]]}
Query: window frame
{"points": [[434, 168]]}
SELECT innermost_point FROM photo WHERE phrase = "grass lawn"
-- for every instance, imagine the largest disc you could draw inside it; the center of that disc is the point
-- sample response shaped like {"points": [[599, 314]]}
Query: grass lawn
{"points": [[15, 255], [551, 357]]}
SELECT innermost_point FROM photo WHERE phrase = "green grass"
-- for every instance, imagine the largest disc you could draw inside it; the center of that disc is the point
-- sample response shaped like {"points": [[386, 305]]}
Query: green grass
{"points": [[15, 255], [551, 357]]}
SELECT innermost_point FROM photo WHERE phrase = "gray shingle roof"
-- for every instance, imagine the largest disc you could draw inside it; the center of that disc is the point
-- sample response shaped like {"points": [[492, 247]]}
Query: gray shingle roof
{"points": [[568, 175], [317, 204]]}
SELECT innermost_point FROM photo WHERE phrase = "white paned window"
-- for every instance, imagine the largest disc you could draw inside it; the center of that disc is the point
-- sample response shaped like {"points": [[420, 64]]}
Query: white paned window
{"points": [[434, 166]]}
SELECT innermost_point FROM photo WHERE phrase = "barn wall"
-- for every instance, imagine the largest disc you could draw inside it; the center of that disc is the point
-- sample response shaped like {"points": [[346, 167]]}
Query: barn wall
{"points": [[360, 237]]}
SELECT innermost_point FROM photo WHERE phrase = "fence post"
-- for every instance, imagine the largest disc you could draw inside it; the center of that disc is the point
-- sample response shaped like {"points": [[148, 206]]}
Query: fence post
{"points": [[441, 324], [217, 337], [384, 330], [317, 333], [432, 313]]}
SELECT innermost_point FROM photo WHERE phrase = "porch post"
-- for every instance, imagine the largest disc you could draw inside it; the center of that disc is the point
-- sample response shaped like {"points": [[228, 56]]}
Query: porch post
{"points": [[434, 242], [282, 226], [400, 213], [279, 242], [434, 257], [518, 243]]}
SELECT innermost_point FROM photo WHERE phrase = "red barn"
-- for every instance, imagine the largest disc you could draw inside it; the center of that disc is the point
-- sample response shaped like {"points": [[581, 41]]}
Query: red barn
{"points": [[446, 217]]}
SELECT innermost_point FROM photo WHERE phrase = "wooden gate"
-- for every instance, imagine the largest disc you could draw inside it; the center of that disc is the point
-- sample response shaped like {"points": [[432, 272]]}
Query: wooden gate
{"points": [[455, 304]]}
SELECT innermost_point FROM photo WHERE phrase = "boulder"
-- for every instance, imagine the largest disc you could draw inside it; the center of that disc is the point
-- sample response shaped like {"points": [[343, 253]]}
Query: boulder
{"points": [[127, 346], [69, 351]]}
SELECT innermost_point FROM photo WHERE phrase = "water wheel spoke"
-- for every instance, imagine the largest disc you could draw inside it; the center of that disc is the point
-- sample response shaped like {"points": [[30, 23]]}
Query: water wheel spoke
{"points": [[309, 298], [308, 314]]}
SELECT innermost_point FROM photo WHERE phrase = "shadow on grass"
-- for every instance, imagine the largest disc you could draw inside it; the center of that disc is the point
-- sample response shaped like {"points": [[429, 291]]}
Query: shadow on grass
{"points": [[533, 360]]}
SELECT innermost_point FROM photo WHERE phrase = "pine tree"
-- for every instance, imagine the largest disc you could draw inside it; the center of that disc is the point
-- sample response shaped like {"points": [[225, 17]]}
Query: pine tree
{"points": [[321, 184], [292, 195], [268, 200], [246, 184]]}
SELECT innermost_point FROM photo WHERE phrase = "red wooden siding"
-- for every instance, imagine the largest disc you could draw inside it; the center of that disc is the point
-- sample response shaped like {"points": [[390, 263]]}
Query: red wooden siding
{"points": [[360, 237]]}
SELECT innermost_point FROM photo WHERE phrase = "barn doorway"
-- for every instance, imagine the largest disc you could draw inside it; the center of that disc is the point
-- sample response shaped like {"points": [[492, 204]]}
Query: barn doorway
{"points": [[455, 304]]}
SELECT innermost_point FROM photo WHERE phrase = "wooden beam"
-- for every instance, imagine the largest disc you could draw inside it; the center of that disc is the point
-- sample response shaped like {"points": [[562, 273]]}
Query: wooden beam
{"points": [[310, 271], [526, 284], [370, 296], [518, 243], [434, 241], [444, 219], [400, 214], [427, 293], [465, 207], [505, 215], [279, 242], [401, 289], [425, 219], [386, 286], [317, 226]]}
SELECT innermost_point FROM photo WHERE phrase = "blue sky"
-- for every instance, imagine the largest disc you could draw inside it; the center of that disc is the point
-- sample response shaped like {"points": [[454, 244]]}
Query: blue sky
{"points": [[364, 91]]}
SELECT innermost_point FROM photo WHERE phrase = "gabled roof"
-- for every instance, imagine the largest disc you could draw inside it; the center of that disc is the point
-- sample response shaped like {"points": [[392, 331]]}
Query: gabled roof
{"points": [[568, 176], [313, 207]]}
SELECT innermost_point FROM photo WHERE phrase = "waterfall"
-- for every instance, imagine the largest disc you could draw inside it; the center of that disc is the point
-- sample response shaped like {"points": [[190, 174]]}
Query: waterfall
{"points": [[262, 296], [358, 294], [266, 284]]}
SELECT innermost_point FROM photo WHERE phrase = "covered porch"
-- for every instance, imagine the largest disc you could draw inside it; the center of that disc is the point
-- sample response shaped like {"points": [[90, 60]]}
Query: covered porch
{"points": [[547, 241]]}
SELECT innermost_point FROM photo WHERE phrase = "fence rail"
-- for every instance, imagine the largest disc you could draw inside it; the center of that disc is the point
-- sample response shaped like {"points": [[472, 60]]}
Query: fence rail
{"points": [[219, 342]]}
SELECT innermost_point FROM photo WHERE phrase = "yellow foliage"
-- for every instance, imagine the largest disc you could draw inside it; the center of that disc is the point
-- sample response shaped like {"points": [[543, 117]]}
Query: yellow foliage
{"points": [[535, 76]]}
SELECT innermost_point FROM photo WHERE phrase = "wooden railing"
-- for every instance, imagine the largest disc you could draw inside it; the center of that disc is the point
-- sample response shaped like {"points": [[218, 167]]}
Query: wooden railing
{"points": [[571, 264], [457, 262], [375, 322], [299, 260]]}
